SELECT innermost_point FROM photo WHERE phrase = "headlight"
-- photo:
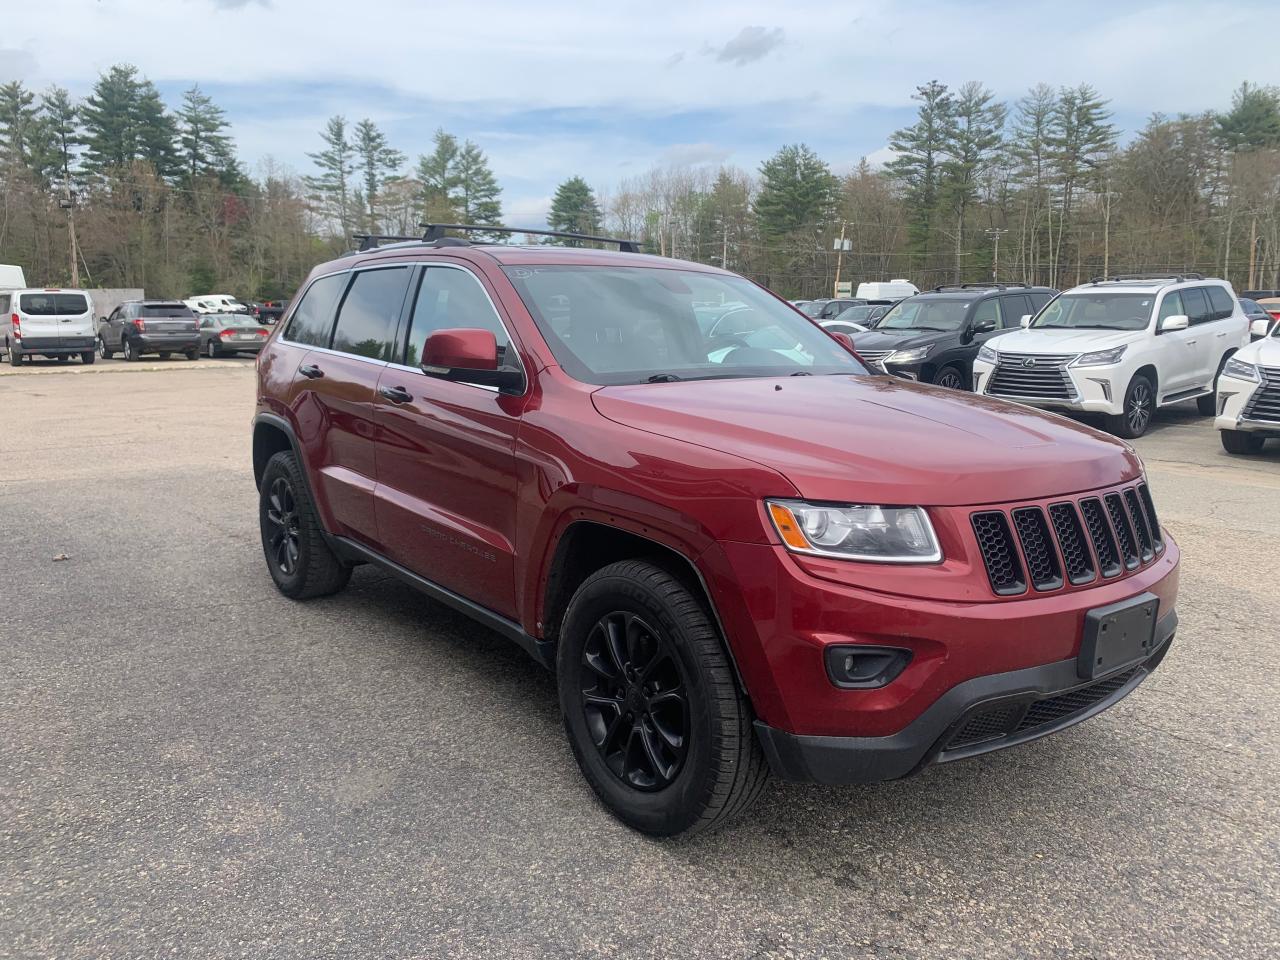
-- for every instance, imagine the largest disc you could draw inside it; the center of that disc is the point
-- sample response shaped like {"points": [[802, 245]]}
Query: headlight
{"points": [[1101, 358], [856, 531], [914, 355], [1240, 370], [987, 355]]}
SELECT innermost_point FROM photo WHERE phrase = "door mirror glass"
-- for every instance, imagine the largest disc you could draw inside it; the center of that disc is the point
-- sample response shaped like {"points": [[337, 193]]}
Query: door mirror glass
{"points": [[1179, 321], [1026, 320]]}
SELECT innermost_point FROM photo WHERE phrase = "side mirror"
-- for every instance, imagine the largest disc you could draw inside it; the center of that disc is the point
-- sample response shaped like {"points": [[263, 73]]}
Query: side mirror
{"points": [[1259, 328], [984, 326], [468, 355], [1179, 321], [1025, 321], [845, 341]]}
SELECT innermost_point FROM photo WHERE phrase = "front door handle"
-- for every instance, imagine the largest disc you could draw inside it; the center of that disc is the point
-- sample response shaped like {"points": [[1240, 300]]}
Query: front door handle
{"points": [[1192, 343], [311, 371], [395, 394]]}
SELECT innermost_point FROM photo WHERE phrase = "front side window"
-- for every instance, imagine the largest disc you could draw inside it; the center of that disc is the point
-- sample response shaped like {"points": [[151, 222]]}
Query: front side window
{"points": [[313, 320], [370, 313], [926, 313], [53, 304], [1101, 310], [449, 299], [1171, 306], [988, 311], [615, 325]]}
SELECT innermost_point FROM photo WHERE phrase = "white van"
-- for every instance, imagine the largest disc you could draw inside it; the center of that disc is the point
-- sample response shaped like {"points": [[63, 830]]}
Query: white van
{"points": [[216, 303], [50, 323], [887, 290]]}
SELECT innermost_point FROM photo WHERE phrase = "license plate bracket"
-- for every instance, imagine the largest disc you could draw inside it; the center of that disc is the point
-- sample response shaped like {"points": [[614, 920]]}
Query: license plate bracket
{"points": [[1117, 635]]}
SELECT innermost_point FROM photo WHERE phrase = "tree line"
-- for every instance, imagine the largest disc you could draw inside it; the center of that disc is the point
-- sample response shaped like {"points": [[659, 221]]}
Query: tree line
{"points": [[1041, 190]]}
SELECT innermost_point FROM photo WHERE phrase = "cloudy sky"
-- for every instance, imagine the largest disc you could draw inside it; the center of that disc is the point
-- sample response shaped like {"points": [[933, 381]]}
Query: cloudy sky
{"points": [[551, 88]]}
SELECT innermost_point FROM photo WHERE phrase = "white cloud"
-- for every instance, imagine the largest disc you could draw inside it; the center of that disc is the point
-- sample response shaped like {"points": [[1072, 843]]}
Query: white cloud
{"points": [[749, 45]]}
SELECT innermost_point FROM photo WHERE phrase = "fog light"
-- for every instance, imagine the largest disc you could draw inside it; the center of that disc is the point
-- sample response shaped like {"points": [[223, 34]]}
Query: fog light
{"points": [[864, 668]]}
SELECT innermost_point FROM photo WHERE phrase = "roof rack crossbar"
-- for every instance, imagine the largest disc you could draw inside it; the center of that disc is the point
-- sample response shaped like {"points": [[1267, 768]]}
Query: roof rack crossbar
{"points": [[982, 285], [436, 231], [1162, 275], [371, 241]]}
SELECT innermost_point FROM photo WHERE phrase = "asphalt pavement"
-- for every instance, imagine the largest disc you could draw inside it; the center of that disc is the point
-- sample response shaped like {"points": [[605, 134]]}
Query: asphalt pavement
{"points": [[193, 766]]}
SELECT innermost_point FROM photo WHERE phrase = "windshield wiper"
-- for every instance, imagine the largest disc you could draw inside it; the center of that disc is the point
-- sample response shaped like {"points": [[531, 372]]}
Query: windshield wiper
{"points": [[662, 378], [802, 373]]}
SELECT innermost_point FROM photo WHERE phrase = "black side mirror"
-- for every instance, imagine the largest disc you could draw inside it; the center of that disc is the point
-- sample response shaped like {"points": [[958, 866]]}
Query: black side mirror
{"points": [[984, 326]]}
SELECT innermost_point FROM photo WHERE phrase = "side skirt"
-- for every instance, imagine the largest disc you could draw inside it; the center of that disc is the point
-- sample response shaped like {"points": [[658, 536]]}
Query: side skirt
{"points": [[542, 651]]}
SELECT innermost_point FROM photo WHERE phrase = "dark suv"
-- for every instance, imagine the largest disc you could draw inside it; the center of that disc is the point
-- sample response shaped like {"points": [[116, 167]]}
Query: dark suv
{"points": [[149, 326], [934, 337], [738, 551]]}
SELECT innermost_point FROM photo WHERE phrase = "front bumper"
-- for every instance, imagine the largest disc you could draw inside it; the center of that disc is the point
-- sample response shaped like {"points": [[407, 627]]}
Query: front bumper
{"points": [[975, 717], [1232, 402], [1094, 389]]}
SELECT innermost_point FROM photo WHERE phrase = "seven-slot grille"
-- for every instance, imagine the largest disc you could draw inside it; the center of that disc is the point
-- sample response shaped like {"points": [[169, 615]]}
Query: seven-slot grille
{"points": [[1069, 541], [1265, 402], [1032, 376], [873, 356]]}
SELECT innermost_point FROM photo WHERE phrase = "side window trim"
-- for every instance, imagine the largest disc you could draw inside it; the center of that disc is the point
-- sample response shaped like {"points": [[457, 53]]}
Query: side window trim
{"points": [[1200, 299], [296, 302]]}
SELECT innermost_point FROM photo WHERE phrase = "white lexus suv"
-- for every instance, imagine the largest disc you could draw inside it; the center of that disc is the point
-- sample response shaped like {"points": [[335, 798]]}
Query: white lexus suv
{"points": [[1249, 396], [1120, 347]]}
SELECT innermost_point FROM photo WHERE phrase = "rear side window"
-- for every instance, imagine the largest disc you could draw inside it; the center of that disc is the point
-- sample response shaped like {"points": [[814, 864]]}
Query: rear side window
{"points": [[313, 320], [448, 299], [1220, 303], [53, 304], [1038, 300], [1197, 305], [4, 303], [368, 317]]}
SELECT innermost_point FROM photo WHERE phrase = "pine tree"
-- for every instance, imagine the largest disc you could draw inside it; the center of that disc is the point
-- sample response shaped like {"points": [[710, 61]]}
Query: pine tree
{"points": [[331, 188], [1029, 150], [1079, 137], [377, 162], [61, 120], [976, 131], [1253, 120], [797, 191], [438, 172], [125, 121], [921, 149], [478, 190], [574, 210], [17, 120], [205, 147]]}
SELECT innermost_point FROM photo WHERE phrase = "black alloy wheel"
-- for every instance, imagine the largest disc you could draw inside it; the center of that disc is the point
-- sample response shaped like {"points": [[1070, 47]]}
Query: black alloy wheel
{"points": [[634, 701], [951, 378], [282, 526], [1138, 408]]}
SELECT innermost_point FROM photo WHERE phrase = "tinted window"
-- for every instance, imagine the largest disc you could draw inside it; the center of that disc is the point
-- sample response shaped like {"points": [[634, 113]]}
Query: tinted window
{"points": [[313, 319], [369, 314], [1038, 300], [1013, 309], [1197, 305], [164, 310], [449, 299], [1220, 302], [987, 310], [4, 303], [53, 304]]}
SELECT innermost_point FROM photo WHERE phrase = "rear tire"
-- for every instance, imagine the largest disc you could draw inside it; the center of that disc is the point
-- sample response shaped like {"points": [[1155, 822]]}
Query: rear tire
{"points": [[165, 355], [88, 357], [15, 358], [1239, 442], [192, 354], [1139, 410], [657, 721], [211, 350], [293, 543], [64, 358]]}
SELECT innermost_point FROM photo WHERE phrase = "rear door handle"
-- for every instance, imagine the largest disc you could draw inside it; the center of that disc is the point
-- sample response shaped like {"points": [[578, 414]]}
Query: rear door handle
{"points": [[1192, 343], [395, 394], [311, 371]]}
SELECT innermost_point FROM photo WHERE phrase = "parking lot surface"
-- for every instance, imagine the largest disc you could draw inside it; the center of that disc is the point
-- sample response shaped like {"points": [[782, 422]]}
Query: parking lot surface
{"points": [[191, 765]]}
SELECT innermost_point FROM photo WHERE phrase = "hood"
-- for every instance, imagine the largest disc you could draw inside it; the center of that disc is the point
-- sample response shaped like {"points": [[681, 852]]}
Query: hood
{"points": [[1063, 341], [878, 339], [879, 439], [1265, 351]]}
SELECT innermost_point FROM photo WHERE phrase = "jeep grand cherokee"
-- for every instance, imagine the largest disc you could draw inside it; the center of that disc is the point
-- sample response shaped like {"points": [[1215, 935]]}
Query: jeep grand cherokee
{"points": [[740, 552]]}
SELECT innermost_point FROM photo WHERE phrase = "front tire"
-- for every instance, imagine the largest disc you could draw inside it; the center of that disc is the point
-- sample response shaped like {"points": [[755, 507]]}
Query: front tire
{"points": [[192, 354], [952, 378], [105, 352], [1207, 405], [1139, 410], [88, 357], [652, 709], [1239, 442], [131, 354], [298, 557]]}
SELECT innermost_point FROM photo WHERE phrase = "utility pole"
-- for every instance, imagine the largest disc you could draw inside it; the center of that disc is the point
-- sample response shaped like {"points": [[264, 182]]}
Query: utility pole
{"points": [[841, 246], [1107, 197], [724, 245], [995, 233], [1253, 250], [68, 203]]}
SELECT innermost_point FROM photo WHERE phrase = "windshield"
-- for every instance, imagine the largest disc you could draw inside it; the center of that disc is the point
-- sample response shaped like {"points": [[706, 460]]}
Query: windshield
{"points": [[1097, 311], [53, 304], [616, 325], [854, 315], [919, 313]]}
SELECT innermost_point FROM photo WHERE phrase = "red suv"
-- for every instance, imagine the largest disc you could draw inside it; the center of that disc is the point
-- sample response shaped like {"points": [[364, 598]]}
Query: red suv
{"points": [[739, 549]]}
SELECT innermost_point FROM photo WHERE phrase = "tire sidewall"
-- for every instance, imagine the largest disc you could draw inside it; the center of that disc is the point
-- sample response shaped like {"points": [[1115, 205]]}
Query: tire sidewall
{"points": [[1122, 427], [678, 806], [959, 375], [284, 465]]}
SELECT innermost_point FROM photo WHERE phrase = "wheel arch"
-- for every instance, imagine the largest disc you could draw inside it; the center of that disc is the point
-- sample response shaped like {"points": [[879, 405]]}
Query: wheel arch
{"points": [[1149, 371], [272, 435]]}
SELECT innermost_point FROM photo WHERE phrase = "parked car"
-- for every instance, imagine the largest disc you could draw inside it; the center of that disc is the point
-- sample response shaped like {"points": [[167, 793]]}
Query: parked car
{"points": [[732, 568], [267, 311], [934, 337], [216, 303], [1271, 305], [892, 290], [1260, 294], [57, 324], [1260, 320], [1248, 401], [1120, 348], [226, 334], [138, 327]]}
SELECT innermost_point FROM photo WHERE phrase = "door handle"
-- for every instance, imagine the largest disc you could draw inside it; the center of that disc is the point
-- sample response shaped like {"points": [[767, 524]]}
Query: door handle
{"points": [[395, 394], [1192, 343], [311, 371], [1222, 335]]}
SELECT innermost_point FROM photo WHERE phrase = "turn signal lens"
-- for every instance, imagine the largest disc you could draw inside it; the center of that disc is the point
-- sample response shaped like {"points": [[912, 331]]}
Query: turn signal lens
{"points": [[856, 531], [788, 527]]}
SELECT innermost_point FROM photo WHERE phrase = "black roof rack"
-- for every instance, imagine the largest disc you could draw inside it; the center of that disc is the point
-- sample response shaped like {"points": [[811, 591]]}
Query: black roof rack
{"points": [[987, 285], [1172, 277], [436, 231], [371, 241]]}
